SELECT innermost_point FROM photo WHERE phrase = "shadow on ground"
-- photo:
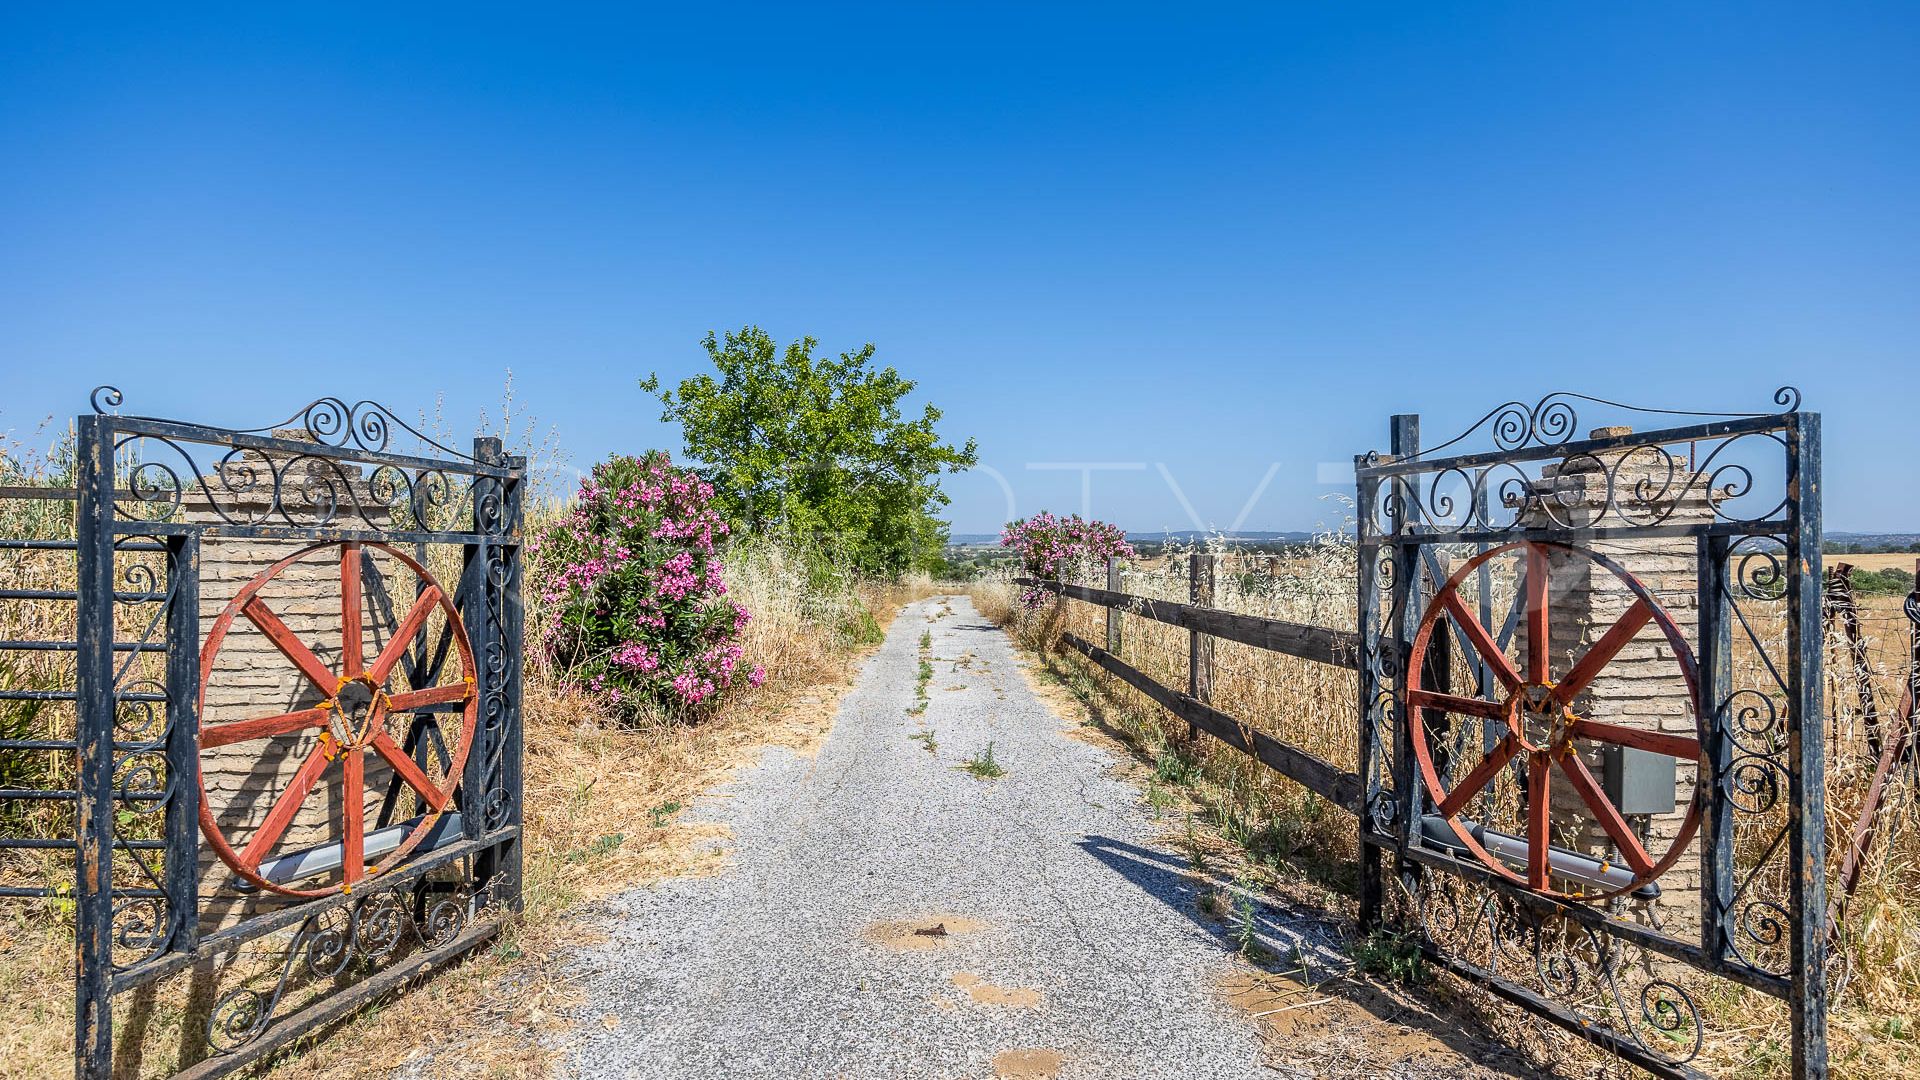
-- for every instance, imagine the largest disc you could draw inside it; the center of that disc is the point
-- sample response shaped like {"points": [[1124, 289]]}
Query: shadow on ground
{"points": [[1308, 948]]}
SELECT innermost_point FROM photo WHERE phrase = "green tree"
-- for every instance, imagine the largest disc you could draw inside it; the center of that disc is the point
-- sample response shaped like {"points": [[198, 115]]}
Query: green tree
{"points": [[816, 448]]}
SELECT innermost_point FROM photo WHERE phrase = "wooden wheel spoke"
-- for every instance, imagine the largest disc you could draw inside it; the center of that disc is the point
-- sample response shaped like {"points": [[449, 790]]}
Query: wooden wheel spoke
{"points": [[290, 645], [1482, 775], [1539, 818], [1454, 703], [432, 695], [353, 814], [350, 629], [215, 735], [285, 808], [1608, 815], [1683, 747], [1480, 639], [1538, 621], [355, 683], [1602, 652], [409, 770], [403, 636]]}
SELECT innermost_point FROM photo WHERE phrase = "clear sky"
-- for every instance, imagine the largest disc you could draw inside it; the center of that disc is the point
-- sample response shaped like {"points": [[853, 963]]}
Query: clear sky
{"points": [[1212, 245]]}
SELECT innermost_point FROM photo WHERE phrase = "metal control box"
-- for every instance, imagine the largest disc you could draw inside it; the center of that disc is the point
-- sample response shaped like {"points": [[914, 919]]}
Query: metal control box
{"points": [[1640, 781]]}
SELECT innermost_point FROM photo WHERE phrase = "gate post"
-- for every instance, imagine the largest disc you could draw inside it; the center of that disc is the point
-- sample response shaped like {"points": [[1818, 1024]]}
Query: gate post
{"points": [[94, 715], [1383, 651], [1409, 584], [1806, 750], [511, 857], [493, 616]]}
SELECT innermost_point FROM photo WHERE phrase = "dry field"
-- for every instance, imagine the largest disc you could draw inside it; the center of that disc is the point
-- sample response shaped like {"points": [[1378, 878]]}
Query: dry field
{"points": [[1895, 560], [1283, 836]]}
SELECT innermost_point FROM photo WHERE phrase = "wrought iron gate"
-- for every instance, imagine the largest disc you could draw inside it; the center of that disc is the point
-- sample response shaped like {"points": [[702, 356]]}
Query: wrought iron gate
{"points": [[295, 762], [1556, 628]]}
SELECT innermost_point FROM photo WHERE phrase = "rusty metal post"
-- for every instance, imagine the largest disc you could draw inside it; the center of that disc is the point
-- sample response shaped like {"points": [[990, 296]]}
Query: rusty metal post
{"points": [[94, 701], [1806, 751]]}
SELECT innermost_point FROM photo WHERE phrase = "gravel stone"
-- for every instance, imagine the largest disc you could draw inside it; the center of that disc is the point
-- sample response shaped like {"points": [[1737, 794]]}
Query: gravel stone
{"points": [[771, 967]]}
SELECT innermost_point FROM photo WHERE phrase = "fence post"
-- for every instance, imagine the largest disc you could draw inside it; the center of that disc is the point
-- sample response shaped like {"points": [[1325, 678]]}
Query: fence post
{"points": [[1113, 613], [1199, 645], [94, 707]]}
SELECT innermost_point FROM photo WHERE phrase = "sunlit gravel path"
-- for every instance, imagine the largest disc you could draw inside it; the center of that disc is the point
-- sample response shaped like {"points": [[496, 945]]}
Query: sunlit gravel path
{"points": [[1072, 945]]}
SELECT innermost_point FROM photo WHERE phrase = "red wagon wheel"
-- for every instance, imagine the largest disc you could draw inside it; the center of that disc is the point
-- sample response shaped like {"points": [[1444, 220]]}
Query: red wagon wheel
{"points": [[351, 721], [1542, 727]]}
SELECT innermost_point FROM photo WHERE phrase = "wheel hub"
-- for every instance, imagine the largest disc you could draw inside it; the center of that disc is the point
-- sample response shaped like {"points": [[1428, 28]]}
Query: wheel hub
{"points": [[1544, 724], [357, 709]]}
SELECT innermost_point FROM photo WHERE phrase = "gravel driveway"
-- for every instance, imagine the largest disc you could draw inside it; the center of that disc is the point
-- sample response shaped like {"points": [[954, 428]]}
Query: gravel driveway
{"points": [[887, 914]]}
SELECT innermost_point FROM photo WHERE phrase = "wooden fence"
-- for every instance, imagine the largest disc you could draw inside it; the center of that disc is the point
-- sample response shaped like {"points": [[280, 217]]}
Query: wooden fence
{"points": [[1317, 644]]}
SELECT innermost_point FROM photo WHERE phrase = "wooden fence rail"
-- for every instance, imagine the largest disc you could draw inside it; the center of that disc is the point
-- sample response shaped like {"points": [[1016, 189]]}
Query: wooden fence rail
{"points": [[1338, 648]]}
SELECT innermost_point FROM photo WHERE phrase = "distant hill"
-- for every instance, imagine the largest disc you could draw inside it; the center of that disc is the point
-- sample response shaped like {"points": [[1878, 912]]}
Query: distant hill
{"points": [[1187, 536], [1853, 541]]}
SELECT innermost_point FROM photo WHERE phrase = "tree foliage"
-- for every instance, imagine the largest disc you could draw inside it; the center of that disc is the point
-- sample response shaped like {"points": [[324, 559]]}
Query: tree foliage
{"points": [[816, 448]]}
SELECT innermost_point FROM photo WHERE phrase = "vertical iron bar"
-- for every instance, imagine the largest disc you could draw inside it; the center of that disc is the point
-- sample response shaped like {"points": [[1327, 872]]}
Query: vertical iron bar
{"points": [[1366, 508], [1408, 583], [1437, 670], [183, 740], [513, 627], [475, 600], [1491, 731], [94, 701], [1716, 681], [1806, 749]]}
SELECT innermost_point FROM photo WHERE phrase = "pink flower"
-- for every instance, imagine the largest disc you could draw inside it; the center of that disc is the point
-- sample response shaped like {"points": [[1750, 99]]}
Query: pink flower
{"points": [[637, 589]]}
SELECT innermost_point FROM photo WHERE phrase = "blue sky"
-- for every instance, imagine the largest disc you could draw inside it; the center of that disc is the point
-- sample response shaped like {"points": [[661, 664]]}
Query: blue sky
{"points": [[1214, 245]]}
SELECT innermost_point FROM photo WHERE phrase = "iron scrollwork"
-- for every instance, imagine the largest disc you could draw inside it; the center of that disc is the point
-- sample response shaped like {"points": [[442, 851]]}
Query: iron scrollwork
{"points": [[1634, 485], [1552, 421], [365, 426], [371, 930], [250, 487], [284, 478], [144, 787], [1604, 981]]}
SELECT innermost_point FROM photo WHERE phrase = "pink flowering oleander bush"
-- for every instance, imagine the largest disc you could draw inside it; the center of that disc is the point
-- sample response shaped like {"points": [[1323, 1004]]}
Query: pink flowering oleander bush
{"points": [[1061, 547], [632, 578]]}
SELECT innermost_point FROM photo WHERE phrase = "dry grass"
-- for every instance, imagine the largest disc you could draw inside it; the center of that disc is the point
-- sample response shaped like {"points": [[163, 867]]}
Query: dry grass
{"points": [[1288, 830], [1882, 560]]}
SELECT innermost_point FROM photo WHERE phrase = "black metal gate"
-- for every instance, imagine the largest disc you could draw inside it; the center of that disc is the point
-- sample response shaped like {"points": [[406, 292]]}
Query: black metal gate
{"points": [[289, 804], [1555, 630]]}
